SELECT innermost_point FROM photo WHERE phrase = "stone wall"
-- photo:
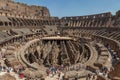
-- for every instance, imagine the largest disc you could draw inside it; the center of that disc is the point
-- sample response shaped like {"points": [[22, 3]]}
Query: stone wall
{"points": [[16, 9], [96, 20]]}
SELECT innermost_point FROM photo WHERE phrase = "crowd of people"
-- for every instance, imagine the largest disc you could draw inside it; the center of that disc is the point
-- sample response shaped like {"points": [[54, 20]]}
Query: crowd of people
{"points": [[56, 70], [18, 71], [60, 71], [103, 73]]}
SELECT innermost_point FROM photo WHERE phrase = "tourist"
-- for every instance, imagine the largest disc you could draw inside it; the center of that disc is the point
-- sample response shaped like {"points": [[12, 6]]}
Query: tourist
{"points": [[68, 68], [62, 67], [56, 67], [48, 72], [11, 69], [76, 77], [97, 71], [4, 68], [0, 67], [93, 76], [77, 68], [63, 77], [21, 75], [8, 71], [53, 70], [58, 75], [88, 76]]}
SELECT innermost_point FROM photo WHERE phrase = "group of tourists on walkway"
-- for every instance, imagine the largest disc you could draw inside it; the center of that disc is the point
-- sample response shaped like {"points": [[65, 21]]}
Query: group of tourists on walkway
{"points": [[91, 76], [19, 70], [103, 73], [56, 70], [61, 70]]}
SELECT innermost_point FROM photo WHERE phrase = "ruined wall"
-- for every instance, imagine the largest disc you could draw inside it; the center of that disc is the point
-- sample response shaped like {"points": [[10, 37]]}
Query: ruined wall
{"points": [[118, 13], [15, 9], [116, 19]]}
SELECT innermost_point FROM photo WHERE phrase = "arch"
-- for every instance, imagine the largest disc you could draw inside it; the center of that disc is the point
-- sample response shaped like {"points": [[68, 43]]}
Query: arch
{"points": [[1, 23], [0, 13], [36, 54], [6, 14], [31, 58], [26, 56], [6, 24], [10, 24]]}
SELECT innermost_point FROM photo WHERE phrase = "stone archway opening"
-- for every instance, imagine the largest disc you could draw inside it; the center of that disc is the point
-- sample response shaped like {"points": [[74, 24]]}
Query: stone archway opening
{"points": [[36, 54], [31, 58]]}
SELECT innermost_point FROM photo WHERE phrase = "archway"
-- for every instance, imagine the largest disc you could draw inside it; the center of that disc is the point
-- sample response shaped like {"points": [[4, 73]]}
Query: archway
{"points": [[32, 58]]}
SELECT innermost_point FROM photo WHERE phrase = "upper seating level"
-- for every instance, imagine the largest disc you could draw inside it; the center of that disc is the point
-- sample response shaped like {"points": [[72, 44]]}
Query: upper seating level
{"points": [[97, 20], [26, 22]]}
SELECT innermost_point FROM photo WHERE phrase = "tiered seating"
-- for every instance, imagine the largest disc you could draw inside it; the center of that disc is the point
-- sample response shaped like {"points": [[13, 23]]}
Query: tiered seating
{"points": [[10, 56], [104, 55], [97, 20], [4, 36], [23, 31], [24, 22], [17, 30]]}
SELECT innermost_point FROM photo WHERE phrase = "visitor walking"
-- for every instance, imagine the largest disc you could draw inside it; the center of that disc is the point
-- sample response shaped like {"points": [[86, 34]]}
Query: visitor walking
{"points": [[76, 77], [63, 77]]}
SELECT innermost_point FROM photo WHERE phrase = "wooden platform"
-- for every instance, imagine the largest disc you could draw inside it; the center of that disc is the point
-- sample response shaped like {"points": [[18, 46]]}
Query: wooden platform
{"points": [[57, 38]]}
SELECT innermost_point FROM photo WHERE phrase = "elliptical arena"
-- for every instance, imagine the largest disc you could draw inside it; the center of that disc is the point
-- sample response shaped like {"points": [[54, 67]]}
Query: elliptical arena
{"points": [[82, 45]]}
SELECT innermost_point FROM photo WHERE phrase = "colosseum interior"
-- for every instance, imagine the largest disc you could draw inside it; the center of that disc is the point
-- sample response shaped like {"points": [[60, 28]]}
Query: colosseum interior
{"points": [[82, 45]]}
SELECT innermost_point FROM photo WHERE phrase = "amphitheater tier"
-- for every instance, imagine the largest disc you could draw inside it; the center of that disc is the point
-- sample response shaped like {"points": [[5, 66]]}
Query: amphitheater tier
{"points": [[31, 38]]}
